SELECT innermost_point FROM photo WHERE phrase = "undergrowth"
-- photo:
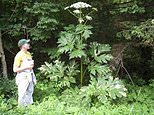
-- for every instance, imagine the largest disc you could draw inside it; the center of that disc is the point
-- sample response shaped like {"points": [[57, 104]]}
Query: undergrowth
{"points": [[139, 101]]}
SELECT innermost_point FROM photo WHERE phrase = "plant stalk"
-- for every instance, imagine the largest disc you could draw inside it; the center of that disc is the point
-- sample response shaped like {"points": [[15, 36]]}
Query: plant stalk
{"points": [[81, 73]]}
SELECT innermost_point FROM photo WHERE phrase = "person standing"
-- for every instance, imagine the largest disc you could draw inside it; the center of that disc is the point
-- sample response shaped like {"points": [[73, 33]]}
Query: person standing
{"points": [[25, 77]]}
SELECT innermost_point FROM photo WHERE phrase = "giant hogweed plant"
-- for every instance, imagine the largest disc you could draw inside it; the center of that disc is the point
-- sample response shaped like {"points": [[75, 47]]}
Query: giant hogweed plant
{"points": [[90, 59]]}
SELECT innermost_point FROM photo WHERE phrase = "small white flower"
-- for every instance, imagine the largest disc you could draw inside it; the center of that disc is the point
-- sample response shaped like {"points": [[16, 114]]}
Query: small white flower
{"points": [[77, 11], [80, 20], [80, 5], [152, 21], [88, 17]]}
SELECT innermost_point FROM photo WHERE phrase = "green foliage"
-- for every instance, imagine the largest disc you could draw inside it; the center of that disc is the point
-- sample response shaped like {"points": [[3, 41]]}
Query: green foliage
{"points": [[30, 19], [8, 88], [93, 58], [3, 104], [59, 74], [43, 90], [152, 84], [8, 94], [89, 58], [103, 89], [121, 1], [143, 32], [98, 59], [97, 51], [138, 101], [132, 25], [138, 95], [71, 97], [129, 7], [72, 40], [46, 14]]}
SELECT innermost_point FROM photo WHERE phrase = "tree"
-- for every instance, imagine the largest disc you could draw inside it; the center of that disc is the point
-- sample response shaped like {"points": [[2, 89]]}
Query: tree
{"points": [[2, 56], [27, 19]]}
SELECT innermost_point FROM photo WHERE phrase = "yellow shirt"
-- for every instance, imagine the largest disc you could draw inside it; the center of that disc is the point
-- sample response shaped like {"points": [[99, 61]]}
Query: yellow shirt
{"points": [[20, 57]]}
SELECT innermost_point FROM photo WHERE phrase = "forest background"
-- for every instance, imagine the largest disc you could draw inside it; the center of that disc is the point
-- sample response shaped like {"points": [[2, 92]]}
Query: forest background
{"points": [[126, 25]]}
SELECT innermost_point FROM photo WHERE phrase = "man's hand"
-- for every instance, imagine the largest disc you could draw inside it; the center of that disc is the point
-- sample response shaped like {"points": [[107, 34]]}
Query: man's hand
{"points": [[20, 69]]}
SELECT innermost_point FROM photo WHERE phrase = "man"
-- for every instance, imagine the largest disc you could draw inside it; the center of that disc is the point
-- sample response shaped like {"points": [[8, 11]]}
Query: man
{"points": [[25, 78]]}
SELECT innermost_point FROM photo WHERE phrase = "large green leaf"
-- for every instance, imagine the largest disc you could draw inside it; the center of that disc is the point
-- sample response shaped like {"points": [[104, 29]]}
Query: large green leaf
{"points": [[97, 48], [103, 58], [95, 68], [66, 42], [59, 74], [86, 34], [103, 89], [77, 53]]}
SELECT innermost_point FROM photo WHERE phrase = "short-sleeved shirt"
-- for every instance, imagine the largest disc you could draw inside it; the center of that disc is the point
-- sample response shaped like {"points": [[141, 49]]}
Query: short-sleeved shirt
{"points": [[20, 57]]}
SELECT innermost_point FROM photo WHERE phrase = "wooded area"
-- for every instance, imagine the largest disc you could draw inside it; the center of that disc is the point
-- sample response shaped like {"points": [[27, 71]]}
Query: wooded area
{"points": [[92, 57]]}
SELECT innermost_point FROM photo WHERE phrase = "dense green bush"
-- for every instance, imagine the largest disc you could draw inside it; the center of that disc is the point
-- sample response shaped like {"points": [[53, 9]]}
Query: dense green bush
{"points": [[139, 101], [8, 95], [60, 74], [8, 88]]}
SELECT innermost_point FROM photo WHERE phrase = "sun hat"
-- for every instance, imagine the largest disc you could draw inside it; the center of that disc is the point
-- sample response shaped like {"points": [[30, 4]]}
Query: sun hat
{"points": [[22, 42]]}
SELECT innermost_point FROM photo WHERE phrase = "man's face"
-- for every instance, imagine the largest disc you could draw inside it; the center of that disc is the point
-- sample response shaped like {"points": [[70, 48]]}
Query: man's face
{"points": [[26, 46]]}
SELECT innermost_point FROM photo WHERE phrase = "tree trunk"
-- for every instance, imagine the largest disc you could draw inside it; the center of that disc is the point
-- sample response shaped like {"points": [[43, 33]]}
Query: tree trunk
{"points": [[2, 56]]}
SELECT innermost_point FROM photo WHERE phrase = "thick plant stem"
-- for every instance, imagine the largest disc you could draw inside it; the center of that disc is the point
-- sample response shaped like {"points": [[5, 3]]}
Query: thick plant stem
{"points": [[81, 73], [81, 64]]}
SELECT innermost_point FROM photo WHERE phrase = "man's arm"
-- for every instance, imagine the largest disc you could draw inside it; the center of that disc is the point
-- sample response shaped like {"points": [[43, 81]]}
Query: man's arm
{"points": [[20, 69], [17, 64]]}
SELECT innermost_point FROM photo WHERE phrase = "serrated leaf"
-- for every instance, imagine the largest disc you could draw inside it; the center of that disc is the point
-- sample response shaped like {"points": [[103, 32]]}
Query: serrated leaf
{"points": [[63, 49], [104, 48], [97, 68], [64, 39], [66, 42], [103, 58], [87, 34], [79, 29], [77, 53]]}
